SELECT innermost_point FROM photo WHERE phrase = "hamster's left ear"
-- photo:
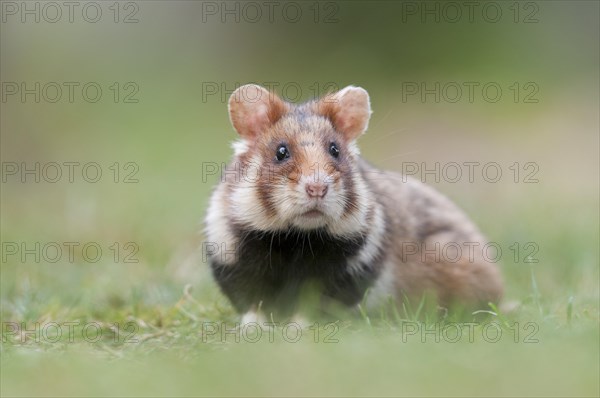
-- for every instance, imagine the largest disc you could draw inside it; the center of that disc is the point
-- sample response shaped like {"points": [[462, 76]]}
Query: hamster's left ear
{"points": [[348, 109]]}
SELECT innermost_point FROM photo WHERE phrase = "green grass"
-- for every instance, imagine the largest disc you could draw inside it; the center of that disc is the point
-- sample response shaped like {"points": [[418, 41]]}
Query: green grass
{"points": [[167, 343]]}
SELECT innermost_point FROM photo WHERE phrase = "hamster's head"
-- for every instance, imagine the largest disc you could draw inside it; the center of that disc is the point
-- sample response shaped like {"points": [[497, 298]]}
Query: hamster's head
{"points": [[296, 166]]}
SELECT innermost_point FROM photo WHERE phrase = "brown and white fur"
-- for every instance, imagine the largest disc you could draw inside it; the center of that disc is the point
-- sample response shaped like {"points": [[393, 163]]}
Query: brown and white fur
{"points": [[310, 213]]}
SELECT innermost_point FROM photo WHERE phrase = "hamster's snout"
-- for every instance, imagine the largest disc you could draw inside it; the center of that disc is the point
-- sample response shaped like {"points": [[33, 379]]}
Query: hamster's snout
{"points": [[316, 189]]}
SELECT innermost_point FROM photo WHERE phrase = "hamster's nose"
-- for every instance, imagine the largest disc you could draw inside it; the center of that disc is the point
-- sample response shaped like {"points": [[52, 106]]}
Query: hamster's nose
{"points": [[316, 189]]}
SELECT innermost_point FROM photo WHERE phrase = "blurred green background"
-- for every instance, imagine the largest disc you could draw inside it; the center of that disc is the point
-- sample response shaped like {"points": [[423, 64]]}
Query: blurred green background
{"points": [[171, 57]]}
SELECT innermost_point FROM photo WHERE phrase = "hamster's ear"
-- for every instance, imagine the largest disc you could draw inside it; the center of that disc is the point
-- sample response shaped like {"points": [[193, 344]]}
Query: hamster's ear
{"points": [[252, 109], [348, 109]]}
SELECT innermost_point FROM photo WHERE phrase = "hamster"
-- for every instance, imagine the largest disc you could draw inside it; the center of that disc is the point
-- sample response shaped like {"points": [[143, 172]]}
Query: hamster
{"points": [[298, 205]]}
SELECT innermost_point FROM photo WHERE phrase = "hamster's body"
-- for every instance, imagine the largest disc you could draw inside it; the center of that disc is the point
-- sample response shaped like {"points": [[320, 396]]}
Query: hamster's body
{"points": [[298, 206]]}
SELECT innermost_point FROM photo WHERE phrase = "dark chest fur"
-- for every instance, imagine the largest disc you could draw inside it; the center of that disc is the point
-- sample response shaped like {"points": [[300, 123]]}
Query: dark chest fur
{"points": [[273, 268]]}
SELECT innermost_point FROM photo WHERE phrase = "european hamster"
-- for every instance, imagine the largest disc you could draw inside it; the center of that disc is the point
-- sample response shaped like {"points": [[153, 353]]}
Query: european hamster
{"points": [[299, 205]]}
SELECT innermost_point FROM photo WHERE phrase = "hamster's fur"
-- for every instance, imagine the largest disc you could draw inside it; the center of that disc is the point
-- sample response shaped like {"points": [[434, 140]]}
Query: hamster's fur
{"points": [[299, 205]]}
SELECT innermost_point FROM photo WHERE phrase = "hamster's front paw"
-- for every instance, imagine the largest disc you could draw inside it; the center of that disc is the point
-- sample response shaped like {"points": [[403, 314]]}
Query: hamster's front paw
{"points": [[253, 317]]}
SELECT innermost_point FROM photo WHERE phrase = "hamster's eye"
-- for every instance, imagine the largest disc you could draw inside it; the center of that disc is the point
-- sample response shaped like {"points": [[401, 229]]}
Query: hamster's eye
{"points": [[282, 153], [334, 150]]}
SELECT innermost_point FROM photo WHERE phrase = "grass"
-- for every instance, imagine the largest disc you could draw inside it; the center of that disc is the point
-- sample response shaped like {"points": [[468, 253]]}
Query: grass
{"points": [[162, 336], [375, 356]]}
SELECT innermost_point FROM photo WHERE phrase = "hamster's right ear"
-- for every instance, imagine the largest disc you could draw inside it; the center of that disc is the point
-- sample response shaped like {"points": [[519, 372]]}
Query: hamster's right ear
{"points": [[252, 109]]}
